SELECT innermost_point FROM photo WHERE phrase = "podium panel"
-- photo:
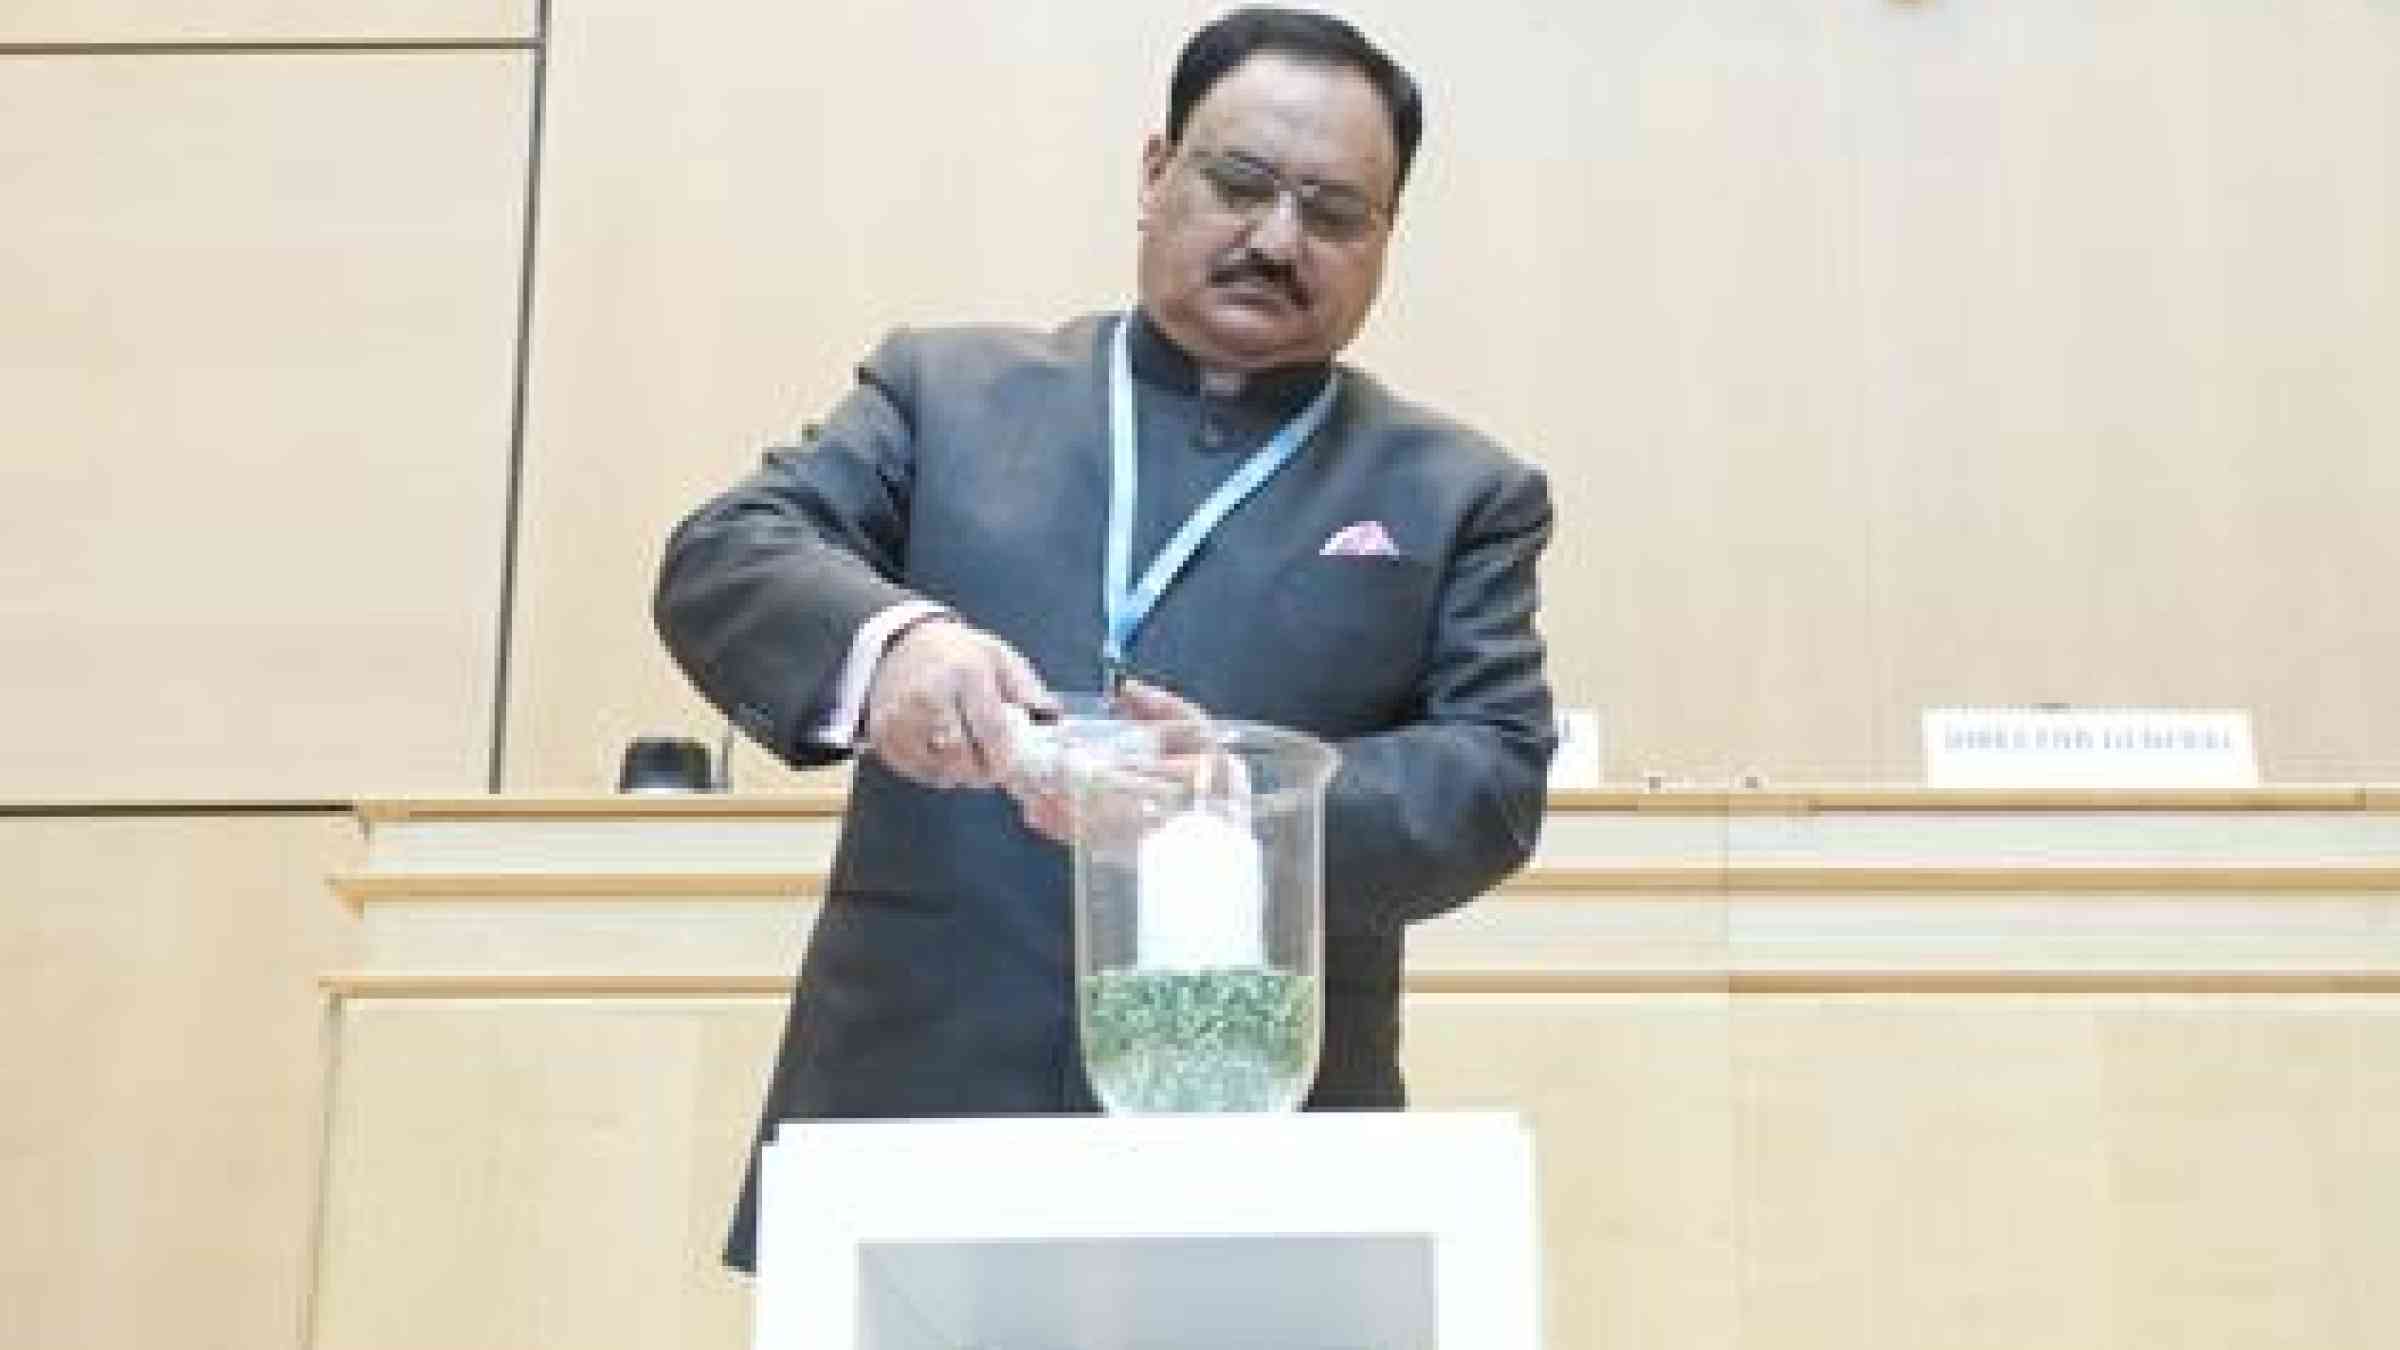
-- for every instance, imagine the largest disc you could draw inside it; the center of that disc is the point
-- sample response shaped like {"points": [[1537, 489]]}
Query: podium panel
{"points": [[1845, 1069], [1301, 1232], [1250, 1291]]}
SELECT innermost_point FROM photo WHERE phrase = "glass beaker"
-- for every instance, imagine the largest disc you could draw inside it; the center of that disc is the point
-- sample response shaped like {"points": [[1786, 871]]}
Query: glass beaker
{"points": [[1199, 912]]}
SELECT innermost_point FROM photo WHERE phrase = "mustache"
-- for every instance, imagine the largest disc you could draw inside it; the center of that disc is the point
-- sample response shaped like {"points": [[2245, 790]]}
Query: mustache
{"points": [[1265, 270]]}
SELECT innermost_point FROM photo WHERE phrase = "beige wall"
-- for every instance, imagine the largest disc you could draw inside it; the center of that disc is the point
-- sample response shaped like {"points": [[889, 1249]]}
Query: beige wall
{"points": [[1804, 1071], [258, 373], [1882, 354], [257, 363], [1816, 1173], [1889, 356], [87, 23], [163, 1053], [1886, 356]]}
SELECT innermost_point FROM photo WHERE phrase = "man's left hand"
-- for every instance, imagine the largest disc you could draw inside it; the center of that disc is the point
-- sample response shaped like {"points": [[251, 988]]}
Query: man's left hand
{"points": [[1044, 805]]}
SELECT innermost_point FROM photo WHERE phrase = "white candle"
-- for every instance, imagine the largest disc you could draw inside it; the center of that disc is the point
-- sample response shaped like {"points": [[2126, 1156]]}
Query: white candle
{"points": [[1202, 896]]}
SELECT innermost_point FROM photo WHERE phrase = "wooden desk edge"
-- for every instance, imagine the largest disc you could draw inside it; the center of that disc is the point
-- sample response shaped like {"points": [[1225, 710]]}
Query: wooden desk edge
{"points": [[1780, 800]]}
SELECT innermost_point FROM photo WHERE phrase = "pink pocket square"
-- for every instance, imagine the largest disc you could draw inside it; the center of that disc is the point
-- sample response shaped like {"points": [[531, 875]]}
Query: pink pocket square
{"points": [[1366, 539]]}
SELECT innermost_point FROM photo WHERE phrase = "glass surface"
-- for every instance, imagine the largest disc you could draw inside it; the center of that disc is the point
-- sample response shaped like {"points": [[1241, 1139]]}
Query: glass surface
{"points": [[1199, 912], [1226, 1039], [1041, 747]]}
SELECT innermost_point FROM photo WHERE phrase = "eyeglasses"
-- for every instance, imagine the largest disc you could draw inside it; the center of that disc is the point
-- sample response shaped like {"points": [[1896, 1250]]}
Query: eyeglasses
{"points": [[1250, 187]]}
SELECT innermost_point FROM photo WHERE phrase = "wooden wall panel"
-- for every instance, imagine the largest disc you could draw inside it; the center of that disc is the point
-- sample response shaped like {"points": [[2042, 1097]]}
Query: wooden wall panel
{"points": [[258, 366], [1631, 236], [577, 1157], [1630, 1101], [1761, 1172], [1903, 355], [2102, 1172], [163, 1051], [184, 21], [1805, 1072], [2124, 355], [737, 201], [1888, 1173]]}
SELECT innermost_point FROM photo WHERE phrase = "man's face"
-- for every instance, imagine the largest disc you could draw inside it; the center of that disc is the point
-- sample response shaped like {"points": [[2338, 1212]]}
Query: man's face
{"points": [[1241, 272]]}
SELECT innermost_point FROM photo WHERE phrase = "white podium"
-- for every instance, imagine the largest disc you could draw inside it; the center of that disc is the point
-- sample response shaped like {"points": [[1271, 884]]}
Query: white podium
{"points": [[1335, 1231]]}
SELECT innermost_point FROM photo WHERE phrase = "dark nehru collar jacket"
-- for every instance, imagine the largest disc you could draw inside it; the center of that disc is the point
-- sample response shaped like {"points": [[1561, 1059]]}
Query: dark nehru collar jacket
{"points": [[970, 466]]}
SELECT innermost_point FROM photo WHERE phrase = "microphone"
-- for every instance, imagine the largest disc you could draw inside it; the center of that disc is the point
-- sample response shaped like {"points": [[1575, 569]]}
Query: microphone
{"points": [[664, 764]]}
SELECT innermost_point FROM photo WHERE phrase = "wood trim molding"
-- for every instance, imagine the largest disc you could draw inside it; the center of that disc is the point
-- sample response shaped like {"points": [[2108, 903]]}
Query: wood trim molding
{"points": [[359, 889], [653, 806], [1792, 800], [549, 984], [2142, 878], [2292, 797], [1695, 881], [1558, 983], [1907, 980]]}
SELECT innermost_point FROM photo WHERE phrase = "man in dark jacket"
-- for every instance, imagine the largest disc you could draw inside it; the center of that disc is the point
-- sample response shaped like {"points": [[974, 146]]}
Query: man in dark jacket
{"points": [[1297, 546]]}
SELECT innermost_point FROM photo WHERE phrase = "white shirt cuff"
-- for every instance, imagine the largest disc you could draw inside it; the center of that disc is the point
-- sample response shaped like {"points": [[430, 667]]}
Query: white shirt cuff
{"points": [[840, 726]]}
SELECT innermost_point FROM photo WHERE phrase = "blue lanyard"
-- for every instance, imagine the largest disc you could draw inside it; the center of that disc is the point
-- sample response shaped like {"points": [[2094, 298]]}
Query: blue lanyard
{"points": [[1125, 604]]}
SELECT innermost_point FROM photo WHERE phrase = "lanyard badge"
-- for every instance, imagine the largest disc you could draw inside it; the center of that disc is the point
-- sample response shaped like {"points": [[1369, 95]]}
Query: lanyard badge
{"points": [[1124, 603]]}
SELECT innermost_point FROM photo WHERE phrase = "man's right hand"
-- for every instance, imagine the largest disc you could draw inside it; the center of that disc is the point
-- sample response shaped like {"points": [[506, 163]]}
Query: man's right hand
{"points": [[937, 707]]}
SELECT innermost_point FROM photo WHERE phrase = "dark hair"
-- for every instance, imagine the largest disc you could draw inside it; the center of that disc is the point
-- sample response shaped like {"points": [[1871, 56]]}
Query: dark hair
{"points": [[1215, 50]]}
